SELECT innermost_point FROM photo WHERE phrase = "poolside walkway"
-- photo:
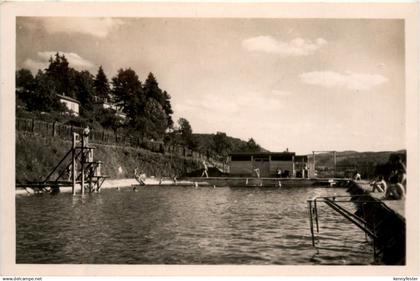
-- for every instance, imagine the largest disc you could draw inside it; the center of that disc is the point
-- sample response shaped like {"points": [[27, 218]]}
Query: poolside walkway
{"points": [[398, 206]]}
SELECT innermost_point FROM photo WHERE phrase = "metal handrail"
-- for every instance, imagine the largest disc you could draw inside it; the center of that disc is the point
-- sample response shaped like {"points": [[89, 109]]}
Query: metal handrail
{"points": [[332, 203]]}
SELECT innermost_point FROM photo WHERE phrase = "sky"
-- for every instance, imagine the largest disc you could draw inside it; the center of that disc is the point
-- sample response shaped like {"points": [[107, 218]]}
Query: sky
{"points": [[297, 84]]}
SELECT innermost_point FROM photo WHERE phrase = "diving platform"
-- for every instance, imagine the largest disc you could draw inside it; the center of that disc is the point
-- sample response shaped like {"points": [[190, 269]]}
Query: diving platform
{"points": [[76, 168]]}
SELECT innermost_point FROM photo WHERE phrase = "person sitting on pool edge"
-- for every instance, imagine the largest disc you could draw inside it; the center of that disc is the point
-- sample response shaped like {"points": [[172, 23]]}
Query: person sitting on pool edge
{"points": [[357, 176], [395, 190], [379, 185], [139, 176]]}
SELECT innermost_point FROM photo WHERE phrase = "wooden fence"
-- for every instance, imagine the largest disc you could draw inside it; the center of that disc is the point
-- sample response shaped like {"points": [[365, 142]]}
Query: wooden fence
{"points": [[108, 137]]}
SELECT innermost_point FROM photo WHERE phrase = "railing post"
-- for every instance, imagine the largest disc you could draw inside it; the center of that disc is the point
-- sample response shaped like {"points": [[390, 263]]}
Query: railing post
{"points": [[316, 216], [73, 165], [83, 164], [311, 222]]}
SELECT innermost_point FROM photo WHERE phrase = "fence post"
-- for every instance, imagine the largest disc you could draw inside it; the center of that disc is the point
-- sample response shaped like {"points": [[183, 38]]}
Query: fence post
{"points": [[103, 135], [53, 130], [33, 125]]}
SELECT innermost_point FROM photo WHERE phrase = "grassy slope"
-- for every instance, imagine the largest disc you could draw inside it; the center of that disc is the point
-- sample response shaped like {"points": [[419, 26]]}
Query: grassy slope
{"points": [[36, 156]]}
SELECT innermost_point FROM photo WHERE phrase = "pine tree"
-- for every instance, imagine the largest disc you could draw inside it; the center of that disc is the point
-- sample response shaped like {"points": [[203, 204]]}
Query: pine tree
{"points": [[61, 75], [167, 107], [151, 90], [84, 91], [128, 93], [101, 85], [252, 146]]}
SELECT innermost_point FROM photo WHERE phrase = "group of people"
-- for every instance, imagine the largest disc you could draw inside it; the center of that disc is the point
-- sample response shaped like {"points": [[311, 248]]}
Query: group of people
{"points": [[396, 188]]}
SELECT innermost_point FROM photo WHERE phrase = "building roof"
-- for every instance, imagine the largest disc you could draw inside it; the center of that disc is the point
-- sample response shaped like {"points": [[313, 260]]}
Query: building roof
{"points": [[301, 158], [68, 98]]}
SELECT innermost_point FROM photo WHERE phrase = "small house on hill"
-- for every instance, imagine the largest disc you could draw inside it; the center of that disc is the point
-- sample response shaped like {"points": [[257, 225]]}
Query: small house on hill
{"points": [[71, 104], [108, 104]]}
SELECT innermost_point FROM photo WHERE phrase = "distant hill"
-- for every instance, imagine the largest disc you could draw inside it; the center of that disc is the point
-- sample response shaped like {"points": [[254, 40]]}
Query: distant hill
{"points": [[364, 162], [354, 157]]}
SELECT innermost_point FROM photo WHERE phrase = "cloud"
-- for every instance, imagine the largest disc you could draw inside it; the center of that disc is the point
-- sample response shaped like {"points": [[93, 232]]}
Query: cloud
{"points": [[295, 47], [34, 65], [42, 61], [349, 80], [233, 104], [98, 27]]}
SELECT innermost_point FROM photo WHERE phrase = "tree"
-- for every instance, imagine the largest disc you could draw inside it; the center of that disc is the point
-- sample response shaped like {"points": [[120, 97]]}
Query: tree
{"points": [[25, 86], [185, 134], [108, 119], [151, 90], [167, 107], [101, 85], [252, 146], [84, 91], [222, 146], [185, 129], [128, 93], [152, 123], [44, 97], [61, 76]]}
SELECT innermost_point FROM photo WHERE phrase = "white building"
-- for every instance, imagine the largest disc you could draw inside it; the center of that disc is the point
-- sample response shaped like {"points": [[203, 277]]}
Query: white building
{"points": [[118, 109], [72, 105]]}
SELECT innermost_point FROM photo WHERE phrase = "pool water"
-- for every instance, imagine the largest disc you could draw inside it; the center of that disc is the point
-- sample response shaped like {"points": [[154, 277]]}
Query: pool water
{"points": [[186, 225]]}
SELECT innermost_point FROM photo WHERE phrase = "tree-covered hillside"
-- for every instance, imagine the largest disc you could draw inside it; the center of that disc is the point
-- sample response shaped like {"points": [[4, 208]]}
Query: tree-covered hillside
{"points": [[222, 145], [122, 103]]}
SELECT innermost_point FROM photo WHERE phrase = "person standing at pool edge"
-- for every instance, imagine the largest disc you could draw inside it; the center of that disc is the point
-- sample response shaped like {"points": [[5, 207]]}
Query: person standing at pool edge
{"points": [[205, 170], [257, 172], [86, 132]]}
